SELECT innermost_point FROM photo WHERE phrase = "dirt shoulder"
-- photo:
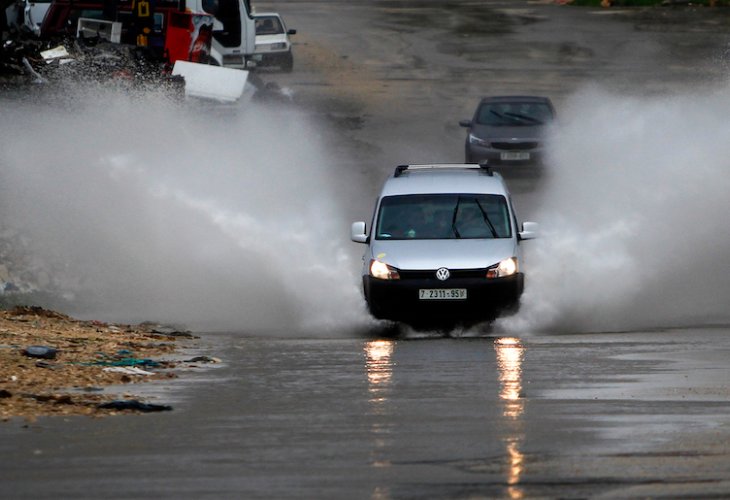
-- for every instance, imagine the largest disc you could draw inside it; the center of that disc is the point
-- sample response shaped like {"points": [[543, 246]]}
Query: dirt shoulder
{"points": [[52, 364]]}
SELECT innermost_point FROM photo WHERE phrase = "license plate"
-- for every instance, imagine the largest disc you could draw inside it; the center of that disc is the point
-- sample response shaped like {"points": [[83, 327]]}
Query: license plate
{"points": [[442, 293], [515, 155]]}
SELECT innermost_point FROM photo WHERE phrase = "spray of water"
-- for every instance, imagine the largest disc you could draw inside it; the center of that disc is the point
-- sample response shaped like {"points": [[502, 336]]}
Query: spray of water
{"points": [[635, 223], [152, 210]]}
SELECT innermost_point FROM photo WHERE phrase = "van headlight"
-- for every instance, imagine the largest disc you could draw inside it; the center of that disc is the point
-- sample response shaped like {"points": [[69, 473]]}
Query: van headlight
{"points": [[382, 271], [507, 267]]}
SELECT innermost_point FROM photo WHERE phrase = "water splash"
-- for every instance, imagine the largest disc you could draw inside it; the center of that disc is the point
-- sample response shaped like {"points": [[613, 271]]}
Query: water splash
{"points": [[152, 210], [634, 216]]}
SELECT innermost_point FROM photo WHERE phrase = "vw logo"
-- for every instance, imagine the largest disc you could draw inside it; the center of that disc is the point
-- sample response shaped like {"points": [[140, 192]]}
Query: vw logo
{"points": [[443, 274]]}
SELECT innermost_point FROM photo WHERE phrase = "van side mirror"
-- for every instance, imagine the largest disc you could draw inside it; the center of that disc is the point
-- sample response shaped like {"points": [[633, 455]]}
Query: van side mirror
{"points": [[291, 32], [529, 231], [358, 232]]}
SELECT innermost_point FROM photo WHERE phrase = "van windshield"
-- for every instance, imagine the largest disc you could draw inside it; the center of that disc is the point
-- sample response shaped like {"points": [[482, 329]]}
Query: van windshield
{"points": [[443, 216]]}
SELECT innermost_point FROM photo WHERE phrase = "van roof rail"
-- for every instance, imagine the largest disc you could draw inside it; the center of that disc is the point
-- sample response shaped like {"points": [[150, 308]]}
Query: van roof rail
{"points": [[483, 165]]}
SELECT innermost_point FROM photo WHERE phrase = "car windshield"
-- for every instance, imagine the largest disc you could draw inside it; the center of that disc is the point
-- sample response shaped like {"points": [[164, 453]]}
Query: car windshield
{"points": [[443, 216], [514, 114], [268, 25]]}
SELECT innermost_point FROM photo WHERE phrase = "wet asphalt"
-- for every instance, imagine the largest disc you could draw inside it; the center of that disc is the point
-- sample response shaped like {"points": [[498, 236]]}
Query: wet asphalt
{"points": [[642, 414], [625, 415]]}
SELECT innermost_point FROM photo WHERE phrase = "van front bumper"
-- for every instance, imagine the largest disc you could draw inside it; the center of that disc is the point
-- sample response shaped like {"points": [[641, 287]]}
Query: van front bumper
{"points": [[399, 300]]}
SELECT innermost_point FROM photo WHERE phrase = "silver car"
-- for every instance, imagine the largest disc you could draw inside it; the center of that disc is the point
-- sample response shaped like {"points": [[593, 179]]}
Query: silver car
{"points": [[444, 247], [508, 130]]}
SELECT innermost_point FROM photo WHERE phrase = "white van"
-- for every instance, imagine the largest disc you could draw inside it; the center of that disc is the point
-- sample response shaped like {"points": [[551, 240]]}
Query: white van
{"points": [[444, 247]]}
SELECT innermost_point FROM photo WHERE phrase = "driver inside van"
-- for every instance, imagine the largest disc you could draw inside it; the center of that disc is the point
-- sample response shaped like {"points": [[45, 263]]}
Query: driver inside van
{"points": [[440, 225], [403, 222]]}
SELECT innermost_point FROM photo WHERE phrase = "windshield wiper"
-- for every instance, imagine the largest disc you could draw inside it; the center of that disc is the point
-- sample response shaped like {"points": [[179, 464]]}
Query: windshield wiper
{"points": [[525, 117], [486, 219], [453, 219], [505, 120]]}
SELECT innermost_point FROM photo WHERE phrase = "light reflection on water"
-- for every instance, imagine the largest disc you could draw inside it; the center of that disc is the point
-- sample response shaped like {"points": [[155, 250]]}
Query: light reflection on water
{"points": [[509, 363], [379, 366], [510, 353]]}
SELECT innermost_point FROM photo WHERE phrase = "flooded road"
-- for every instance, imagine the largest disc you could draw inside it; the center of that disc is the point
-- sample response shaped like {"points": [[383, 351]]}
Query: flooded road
{"points": [[240, 224], [641, 414]]}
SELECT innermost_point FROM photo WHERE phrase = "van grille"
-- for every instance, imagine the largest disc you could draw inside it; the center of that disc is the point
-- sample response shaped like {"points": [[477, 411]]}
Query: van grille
{"points": [[431, 274]]}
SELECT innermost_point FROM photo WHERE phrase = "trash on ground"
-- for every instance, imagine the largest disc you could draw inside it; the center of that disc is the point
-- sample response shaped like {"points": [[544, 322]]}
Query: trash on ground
{"points": [[45, 364], [127, 362], [211, 82], [133, 404], [127, 370], [55, 53], [37, 386], [166, 330], [203, 359], [39, 351]]}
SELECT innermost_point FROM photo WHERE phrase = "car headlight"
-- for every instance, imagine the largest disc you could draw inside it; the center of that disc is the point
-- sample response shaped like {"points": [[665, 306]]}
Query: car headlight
{"points": [[382, 271], [507, 267], [476, 140], [278, 46]]}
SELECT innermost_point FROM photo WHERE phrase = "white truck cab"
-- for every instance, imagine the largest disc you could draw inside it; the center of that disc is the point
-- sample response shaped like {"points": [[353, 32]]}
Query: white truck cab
{"points": [[234, 32]]}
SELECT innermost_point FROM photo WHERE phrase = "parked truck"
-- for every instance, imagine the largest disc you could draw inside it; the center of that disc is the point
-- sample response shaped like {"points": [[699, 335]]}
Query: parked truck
{"points": [[148, 23]]}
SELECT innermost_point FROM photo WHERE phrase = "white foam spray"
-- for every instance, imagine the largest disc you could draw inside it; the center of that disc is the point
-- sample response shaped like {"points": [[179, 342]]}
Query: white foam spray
{"points": [[636, 232], [179, 213]]}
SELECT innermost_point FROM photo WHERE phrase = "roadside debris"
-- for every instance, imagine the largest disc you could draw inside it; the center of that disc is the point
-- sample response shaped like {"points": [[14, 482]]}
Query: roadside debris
{"points": [[211, 82], [52, 364], [25, 61], [133, 404], [39, 351], [203, 359], [125, 361], [29, 61], [128, 370], [166, 330]]}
